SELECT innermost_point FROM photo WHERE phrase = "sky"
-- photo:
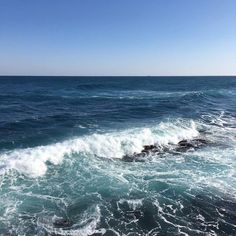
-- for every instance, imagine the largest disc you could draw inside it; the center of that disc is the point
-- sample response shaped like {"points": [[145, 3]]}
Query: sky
{"points": [[118, 37]]}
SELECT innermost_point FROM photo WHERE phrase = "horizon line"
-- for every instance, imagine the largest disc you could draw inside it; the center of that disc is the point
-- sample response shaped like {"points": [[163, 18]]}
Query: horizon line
{"points": [[117, 75]]}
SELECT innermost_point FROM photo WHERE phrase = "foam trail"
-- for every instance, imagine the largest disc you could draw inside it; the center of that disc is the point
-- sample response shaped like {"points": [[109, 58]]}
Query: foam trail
{"points": [[32, 161], [90, 222]]}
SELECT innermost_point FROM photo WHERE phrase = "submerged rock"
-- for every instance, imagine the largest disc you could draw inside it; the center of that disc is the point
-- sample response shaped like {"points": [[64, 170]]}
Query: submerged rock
{"points": [[62, 223], [138, 157]]}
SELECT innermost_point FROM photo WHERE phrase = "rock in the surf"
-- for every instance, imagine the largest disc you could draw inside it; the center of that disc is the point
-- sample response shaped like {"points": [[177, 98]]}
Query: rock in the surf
{"points": [[62, 223], [185, 145], [182, 146]]}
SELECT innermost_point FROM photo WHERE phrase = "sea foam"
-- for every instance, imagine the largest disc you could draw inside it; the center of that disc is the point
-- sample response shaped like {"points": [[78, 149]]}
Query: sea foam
{"points": [[32, 161]]}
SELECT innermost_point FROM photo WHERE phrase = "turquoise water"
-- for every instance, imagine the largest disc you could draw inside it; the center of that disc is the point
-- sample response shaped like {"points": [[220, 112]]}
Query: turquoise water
{"points": [[62, 140]]}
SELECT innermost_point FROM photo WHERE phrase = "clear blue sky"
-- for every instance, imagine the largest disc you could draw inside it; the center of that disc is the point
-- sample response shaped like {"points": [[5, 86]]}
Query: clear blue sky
{"points": [[118, 37]]}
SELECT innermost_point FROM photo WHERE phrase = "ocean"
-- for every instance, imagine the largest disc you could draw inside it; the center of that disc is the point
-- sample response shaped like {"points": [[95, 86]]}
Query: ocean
{"points": [[63, 143]]}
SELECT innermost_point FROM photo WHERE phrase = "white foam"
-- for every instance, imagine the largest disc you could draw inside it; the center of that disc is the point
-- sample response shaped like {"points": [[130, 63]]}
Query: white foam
{"points": [[90, 222], [32, 161], [134, 203]]}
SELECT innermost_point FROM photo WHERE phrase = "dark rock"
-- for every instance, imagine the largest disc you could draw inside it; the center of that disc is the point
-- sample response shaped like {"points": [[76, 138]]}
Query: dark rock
{"points": [[182, 146], [185, 143], [128, 158], [148, 148], [137, 157]]}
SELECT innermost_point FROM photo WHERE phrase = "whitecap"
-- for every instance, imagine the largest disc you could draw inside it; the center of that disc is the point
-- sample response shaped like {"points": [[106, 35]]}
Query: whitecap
{"points": [[32, 161]]}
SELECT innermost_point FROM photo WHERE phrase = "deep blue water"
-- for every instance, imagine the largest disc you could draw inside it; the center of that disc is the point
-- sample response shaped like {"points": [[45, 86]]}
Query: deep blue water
{"points": [[62, 140]]}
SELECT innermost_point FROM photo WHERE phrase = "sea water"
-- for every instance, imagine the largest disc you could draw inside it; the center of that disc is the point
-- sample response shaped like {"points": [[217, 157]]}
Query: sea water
{"points": [[62, 140]]}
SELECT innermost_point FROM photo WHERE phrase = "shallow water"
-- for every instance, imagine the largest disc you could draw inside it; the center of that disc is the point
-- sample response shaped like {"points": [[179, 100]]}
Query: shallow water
{"points": [[62, 140]]}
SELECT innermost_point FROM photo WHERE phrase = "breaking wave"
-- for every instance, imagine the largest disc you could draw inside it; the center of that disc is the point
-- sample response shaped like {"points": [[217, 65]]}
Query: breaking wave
{"points": [[33, 161]]}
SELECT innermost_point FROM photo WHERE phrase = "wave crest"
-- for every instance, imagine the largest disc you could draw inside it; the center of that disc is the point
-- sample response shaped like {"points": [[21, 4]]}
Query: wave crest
{"points": [[32, 161]]}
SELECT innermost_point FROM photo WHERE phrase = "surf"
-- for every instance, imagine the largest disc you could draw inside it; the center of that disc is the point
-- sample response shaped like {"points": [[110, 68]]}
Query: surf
{"points": [[33, 161]]}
